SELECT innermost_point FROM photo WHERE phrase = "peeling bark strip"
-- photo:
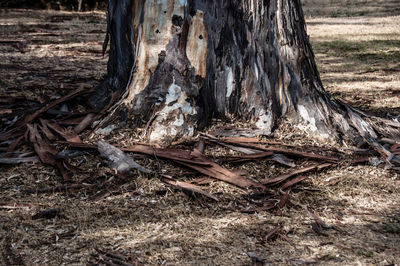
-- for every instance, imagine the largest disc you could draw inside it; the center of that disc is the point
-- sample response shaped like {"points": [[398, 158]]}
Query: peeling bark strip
{"points": [[180, 63]]}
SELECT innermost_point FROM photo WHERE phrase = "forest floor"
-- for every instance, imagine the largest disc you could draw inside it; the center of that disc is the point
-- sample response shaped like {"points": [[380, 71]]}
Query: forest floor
{"points": [[46, 54]]}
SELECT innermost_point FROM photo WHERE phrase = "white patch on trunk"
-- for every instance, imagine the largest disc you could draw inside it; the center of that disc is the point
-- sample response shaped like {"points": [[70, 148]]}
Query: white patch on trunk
{"points": [[311, 123], [174, 92], [229, 82], [306, 117], [264, 121], [171, 120]]}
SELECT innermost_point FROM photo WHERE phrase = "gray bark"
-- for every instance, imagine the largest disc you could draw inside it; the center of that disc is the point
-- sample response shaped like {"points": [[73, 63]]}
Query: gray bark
{"points": [[177, 64]]}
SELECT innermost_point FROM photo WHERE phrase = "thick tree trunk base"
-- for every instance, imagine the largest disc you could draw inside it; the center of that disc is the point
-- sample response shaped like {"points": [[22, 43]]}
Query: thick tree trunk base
{"points": [[177, 65]]}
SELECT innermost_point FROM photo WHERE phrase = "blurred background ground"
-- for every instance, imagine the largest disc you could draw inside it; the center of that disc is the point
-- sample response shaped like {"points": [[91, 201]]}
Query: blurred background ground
{"points": [[46, 53]]}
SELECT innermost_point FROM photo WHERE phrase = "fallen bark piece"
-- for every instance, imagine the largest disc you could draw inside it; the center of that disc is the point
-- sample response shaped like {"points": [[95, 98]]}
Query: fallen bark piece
{"points": [[284, 199], [289, 152], [67, 175], [251, 140], [87, 121], [191, 159], [281, 178], [29, 118], [14, 144], [46, 131], [45, 152], [187, 187], [282, 159], [33, 159], [293, 182], [250, 157], [67, 133], [197, 161], [68, 154], [367, 132], [118, 159]]}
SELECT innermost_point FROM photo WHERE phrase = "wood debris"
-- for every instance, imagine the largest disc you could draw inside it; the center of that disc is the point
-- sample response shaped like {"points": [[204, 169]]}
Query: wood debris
{"points": [[272, 234], [111, 258], [187, 187], [18, 160], [118, 160], [255, 259], [281, 178]]}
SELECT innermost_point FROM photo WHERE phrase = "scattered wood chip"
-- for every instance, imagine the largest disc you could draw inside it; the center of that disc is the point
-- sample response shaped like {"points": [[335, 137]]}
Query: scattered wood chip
{"points": [[318, 220], [64, 188], [255, 259], [318, 225], [272, 234], [111, 258], [269, 205], [8, 255]]}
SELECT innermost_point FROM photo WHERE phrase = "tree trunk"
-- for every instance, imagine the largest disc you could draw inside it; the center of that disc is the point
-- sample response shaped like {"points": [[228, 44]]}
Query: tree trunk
{"points": [[177, 64]]}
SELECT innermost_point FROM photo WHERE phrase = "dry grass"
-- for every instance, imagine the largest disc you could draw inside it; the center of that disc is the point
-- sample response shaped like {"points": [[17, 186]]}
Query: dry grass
{"points": [[153, 224], [358, 59]]}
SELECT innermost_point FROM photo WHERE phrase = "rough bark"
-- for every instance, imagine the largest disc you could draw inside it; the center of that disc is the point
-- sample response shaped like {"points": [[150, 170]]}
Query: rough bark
{"points": [[177, 64]]}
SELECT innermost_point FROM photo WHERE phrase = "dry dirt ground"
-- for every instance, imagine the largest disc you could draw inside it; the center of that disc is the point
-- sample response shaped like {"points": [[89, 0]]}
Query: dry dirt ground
{"points": [[45, 54]]}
